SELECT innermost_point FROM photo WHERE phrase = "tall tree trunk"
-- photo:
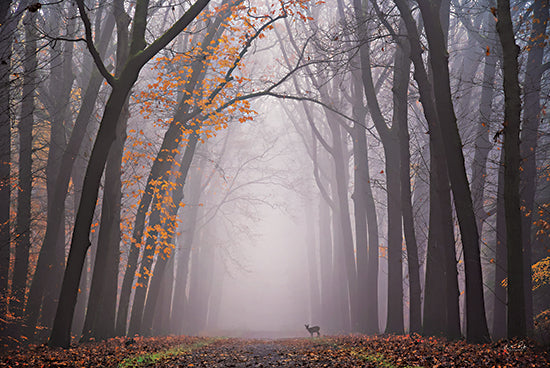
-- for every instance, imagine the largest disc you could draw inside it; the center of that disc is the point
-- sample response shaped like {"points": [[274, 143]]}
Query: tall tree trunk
{"points": [[161, 319], [529, 134], [9, 22], [360, 183], [441, 228], [511, 127], [184, 244], [400, 89], [314, 294], [23, 226], [372, 268], [389, 138], [61, 81], [482, 143], [100, 314], [346, 245], [325, 258], [158, 272], [475, 306], [499, 306]]}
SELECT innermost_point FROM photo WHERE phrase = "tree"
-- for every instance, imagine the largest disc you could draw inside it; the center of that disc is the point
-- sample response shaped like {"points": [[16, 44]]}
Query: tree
{"points": [[140, 54], [511, 127], [23, 226]]}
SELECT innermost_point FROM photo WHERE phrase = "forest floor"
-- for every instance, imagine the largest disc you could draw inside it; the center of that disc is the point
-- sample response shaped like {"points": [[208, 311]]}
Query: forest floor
{"points": [[325, 351]]}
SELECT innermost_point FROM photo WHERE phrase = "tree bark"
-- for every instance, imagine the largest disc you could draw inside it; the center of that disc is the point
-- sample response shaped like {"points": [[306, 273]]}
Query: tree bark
{"points": [[312, 265], [143, 314], [100, 314], [400, 88], [23, 225], [9, 22], [499, 307], [56, 209], [529, 141], [475, 307], [511, 127]]}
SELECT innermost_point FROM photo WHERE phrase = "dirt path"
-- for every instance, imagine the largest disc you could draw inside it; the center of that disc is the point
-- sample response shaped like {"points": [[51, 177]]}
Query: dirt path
{"points": [[266, 353]]}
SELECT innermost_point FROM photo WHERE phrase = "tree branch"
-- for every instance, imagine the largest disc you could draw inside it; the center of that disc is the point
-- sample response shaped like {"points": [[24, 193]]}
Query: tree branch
{"points": [[90, 43]]}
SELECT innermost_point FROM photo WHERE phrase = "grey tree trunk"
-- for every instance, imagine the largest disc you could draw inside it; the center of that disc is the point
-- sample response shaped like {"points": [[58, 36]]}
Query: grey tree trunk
{"points": [[158, 271], [9, 22], [400, 89], [511, 127], [312, 263], [499, 305], [23, 225], [184, 244], [529, 141]]}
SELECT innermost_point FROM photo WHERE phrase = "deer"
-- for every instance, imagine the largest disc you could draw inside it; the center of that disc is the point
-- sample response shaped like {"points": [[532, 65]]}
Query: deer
{"points": [[313, 329]]}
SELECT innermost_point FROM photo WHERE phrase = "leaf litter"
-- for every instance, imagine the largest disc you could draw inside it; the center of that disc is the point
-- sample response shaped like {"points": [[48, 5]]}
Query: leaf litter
{"points": [[383, 351]]}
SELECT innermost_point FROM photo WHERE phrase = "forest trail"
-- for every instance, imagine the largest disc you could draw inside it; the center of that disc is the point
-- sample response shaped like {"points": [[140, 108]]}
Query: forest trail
{"points": [[299, 352], [383, 351]]}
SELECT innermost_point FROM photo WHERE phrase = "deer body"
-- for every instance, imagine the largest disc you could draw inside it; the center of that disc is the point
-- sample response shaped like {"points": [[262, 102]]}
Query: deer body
{"points": [[313, 329]]}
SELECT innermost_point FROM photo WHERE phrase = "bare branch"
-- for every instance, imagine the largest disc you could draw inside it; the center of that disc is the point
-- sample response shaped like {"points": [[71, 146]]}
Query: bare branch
{"points": [[90, 43]]}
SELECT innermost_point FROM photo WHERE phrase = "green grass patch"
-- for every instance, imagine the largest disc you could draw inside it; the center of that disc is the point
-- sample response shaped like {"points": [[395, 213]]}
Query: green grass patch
{"points": [[379, 359], [147, 359]]}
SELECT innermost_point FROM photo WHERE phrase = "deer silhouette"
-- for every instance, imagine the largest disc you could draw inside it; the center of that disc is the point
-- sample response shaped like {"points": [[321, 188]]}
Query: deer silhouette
{"points": [[313, 329]]}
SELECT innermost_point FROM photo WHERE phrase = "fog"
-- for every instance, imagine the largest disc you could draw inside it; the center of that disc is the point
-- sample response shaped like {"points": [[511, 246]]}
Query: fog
{"points": [[245, 168]]}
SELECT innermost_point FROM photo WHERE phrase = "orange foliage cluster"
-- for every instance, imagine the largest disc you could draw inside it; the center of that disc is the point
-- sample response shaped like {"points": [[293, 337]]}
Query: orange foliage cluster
{"points": [[213, 102]]}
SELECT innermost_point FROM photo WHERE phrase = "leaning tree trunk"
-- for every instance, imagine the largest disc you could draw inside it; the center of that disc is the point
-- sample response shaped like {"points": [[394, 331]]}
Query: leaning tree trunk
{"points": [[145, 311], [511, 127]]}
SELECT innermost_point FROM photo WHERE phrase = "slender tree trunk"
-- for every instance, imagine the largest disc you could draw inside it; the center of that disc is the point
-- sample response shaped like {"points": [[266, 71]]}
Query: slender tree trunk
{"points": [[400, 89], [161, 165], [347, 249], [511, 127], [161, 319], [23, 226], [184, 244], [9, 22], [529, 141], [482, 143], [314, 294], [360, 180], [61, 81], [325, 257], [499, 306], [372, 268], [158, 271]]}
